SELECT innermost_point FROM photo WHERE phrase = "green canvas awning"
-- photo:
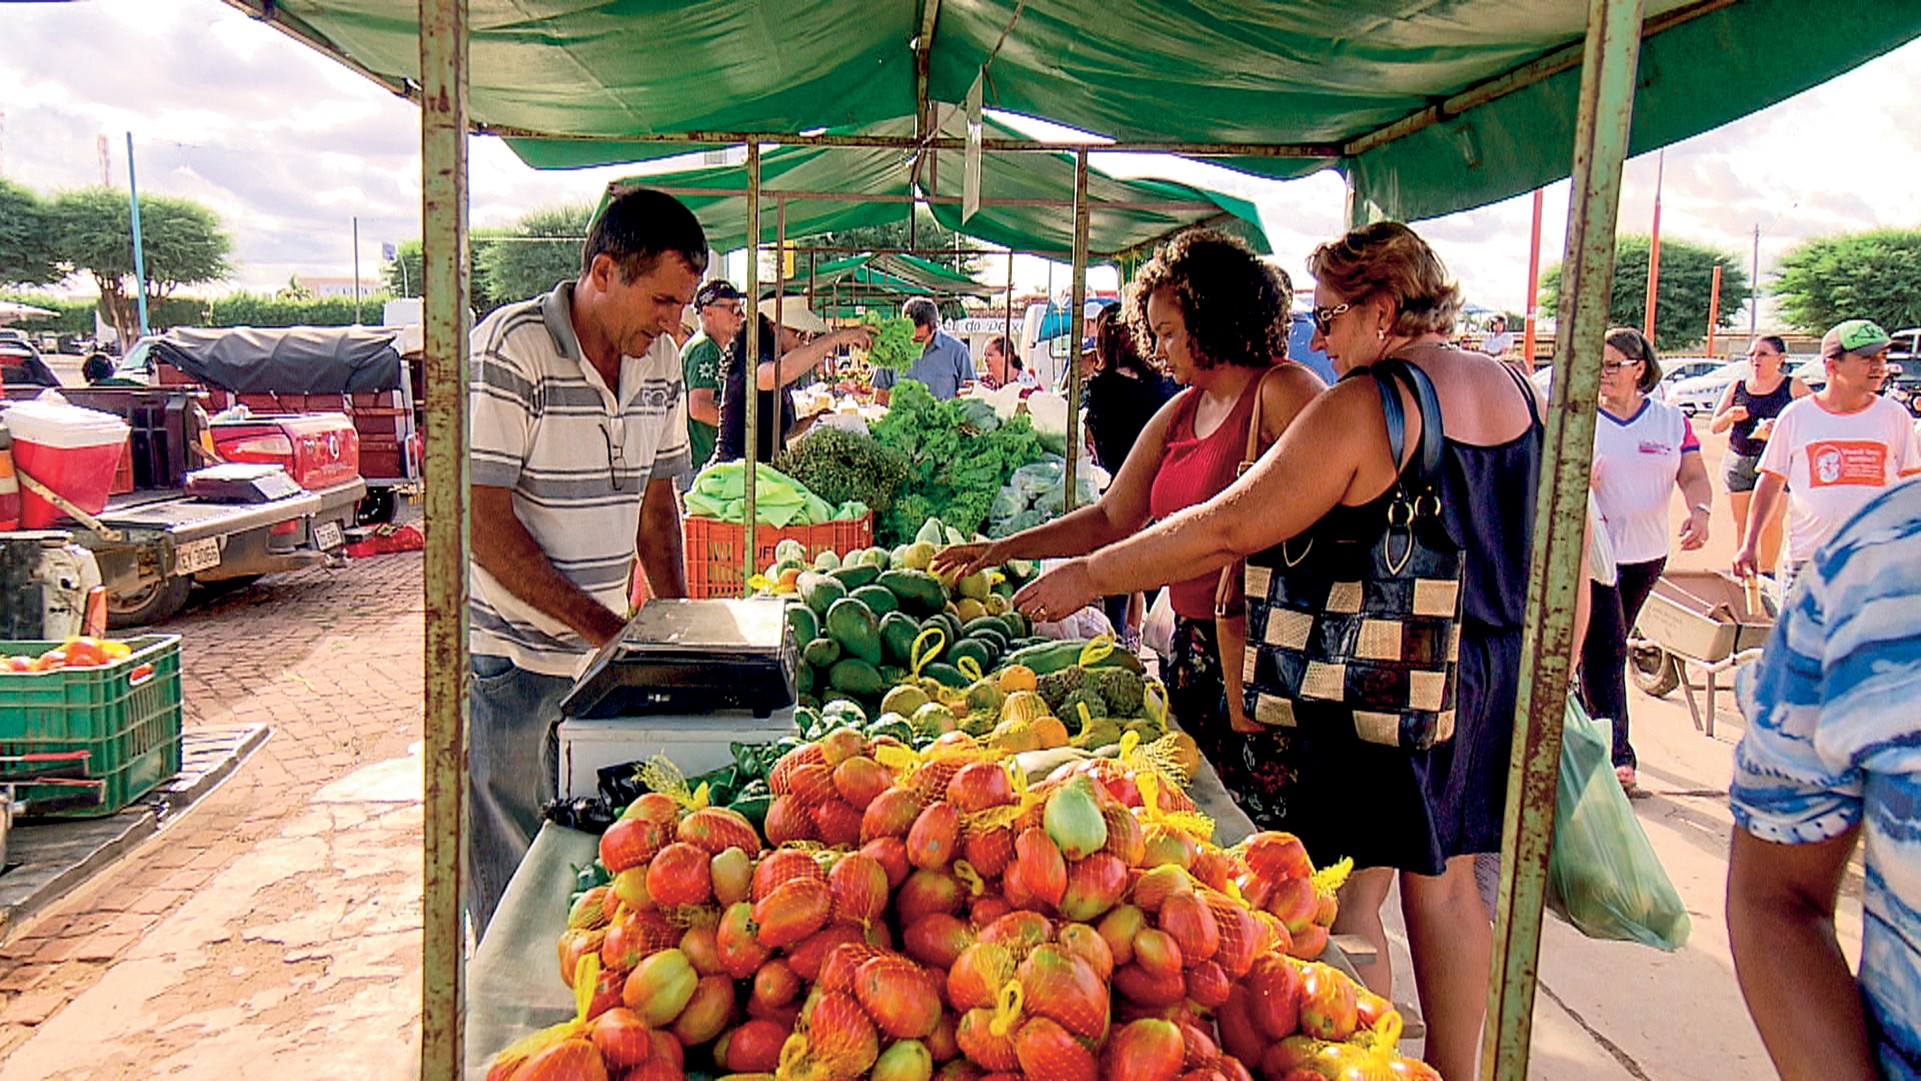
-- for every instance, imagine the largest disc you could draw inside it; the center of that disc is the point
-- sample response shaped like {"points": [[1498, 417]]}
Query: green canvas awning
{"points": [[1429, 107], [1025, 196], [888, 273]]}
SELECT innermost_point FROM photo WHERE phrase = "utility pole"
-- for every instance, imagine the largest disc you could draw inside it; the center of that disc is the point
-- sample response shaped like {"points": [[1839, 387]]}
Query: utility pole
{"points": [[1654, 246], [139, 256], [356, 270]]}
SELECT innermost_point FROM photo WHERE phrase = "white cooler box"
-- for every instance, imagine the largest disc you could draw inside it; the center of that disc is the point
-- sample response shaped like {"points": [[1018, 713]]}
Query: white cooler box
{"points": [[696, 744]]}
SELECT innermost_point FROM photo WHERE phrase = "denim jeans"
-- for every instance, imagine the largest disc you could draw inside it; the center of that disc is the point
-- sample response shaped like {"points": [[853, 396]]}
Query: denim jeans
{"points": [[511, 755]]}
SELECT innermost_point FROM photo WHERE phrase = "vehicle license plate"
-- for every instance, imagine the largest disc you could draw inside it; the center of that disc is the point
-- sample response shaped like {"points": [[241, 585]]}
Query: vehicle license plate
{"points": [[326, 535], [195, 556]]}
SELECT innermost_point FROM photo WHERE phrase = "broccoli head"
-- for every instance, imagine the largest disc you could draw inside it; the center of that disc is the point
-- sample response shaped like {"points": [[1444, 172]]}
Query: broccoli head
{"points": [[1070, 711], [1054, 687], [1122, 689]]}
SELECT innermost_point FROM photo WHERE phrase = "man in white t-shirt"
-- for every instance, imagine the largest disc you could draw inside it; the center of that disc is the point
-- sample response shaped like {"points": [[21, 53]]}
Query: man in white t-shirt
{"points": [[1832, 451], [579, 427]]}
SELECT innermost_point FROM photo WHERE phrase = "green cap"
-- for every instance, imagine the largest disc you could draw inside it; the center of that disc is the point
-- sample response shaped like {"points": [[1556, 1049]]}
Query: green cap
{"points": [[1853, 336]]}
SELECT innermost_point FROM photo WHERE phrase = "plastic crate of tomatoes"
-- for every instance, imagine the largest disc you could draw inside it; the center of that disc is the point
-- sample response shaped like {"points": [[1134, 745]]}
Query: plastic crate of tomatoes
{"points": [[123, 710]]}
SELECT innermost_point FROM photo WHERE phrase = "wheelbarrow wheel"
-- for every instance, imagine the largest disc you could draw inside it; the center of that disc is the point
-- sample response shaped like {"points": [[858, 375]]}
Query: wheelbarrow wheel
{"points": [[1653, 671]]}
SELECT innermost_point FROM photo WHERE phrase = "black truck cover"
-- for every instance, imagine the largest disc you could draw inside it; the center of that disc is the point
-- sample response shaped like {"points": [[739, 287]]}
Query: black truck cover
{"points": [[286, 360]]}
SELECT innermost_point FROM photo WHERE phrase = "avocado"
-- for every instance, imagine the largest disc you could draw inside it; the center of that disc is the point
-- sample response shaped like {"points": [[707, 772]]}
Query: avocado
{"points": [[853, 625], [854, 576], [821, 652], [820, 591], [855, 676], [879, 599], [918, 591]]}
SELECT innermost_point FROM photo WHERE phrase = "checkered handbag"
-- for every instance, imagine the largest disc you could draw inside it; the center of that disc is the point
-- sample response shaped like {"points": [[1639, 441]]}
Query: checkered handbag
{"points": [[1363, 629]]}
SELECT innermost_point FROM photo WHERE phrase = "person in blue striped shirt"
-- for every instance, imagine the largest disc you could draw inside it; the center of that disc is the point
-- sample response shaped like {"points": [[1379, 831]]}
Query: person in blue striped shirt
{"points": [[1832, 756]]}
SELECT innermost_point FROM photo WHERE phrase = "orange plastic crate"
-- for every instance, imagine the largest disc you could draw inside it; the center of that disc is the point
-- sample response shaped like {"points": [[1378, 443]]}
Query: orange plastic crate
{"points": [[714, 549]]}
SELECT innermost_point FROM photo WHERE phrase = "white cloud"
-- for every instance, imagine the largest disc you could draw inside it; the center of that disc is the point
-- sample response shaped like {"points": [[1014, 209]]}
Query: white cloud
{"points": [[288, 146]]}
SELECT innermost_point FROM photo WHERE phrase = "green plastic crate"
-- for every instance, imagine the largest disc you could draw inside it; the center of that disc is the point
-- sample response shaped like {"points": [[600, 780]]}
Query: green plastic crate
{"points": [[129, 726]]}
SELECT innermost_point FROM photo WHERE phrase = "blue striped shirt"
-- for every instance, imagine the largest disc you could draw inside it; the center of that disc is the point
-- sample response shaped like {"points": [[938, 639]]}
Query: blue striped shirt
{"points": [[1834, 740]]}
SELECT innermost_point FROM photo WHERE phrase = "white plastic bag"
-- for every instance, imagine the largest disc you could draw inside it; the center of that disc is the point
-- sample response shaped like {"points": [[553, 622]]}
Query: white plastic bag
{"points": [[1157, 629]]}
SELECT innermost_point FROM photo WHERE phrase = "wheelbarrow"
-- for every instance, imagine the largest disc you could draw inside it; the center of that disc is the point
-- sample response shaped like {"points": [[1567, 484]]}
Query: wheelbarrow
{"points": [[1695, 626]]}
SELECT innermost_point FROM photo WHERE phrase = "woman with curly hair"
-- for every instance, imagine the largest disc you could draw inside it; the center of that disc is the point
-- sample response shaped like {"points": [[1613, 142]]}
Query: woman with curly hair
{"points": [[1216, 319], [1320, 767]]}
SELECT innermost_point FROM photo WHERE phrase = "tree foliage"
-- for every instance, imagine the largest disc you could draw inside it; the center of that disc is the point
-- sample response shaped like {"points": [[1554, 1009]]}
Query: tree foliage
{"points": [[182, 244], [541, 249], [405, 272], [1872, 275], [1681, 309], [26, 241]]}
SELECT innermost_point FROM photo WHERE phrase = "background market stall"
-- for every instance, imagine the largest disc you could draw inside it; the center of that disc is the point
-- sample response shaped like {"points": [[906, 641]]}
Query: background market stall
{"points": [[1424, 109]]}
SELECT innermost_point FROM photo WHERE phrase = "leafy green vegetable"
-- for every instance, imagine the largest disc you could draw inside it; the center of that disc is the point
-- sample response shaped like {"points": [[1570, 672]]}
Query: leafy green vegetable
{"points": [[955, 467], [894, 345], [842, 467]]}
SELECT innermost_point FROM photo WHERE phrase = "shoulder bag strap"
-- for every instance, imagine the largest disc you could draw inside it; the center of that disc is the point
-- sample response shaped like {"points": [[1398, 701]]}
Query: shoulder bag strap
{"points": [[1388, 373], [1227, 593]]}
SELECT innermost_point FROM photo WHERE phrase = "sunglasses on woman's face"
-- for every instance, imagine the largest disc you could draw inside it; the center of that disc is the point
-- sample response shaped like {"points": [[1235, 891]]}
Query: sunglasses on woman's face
{"points": [[1324, 317]]}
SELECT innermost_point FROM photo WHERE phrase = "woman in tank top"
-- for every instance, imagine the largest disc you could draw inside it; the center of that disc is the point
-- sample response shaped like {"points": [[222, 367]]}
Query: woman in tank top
{"points": [[1380, 293], [1209, 311], [1746, 412]]}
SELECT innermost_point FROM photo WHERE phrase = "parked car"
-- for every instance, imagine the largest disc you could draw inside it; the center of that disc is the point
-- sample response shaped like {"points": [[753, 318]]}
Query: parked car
{"points": [[1904, 370], [1676, 369], [22, 366]]}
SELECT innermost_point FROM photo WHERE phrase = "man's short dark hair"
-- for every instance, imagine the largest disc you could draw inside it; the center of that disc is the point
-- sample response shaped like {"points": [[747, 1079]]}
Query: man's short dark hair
{"points": [[97, 367], [637, 227], [711, 291], [923, 312]]}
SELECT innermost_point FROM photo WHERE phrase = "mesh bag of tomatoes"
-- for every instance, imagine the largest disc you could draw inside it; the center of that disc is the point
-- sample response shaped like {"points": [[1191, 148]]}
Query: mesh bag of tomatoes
{"points": [[80, 652], [942, 917]]}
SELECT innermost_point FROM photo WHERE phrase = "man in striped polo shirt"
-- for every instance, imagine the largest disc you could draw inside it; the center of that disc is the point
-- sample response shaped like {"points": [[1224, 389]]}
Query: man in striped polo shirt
{"points": [[579, 425]]}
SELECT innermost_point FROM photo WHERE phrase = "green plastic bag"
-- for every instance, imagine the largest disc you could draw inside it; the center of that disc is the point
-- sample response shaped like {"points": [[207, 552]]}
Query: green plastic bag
{"points": [[1603, 875]]}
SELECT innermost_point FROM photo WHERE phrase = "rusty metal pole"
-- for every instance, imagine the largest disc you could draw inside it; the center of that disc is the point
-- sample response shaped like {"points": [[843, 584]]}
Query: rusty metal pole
{"points": [[1076, 329], [1559, 568], [1533, 287], [444, 283], [780, 298], [750, 360], [1007, 330]]}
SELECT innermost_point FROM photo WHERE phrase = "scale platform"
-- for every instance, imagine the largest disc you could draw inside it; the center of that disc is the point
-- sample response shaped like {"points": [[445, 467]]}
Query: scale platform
{"points": [[686, 657]]}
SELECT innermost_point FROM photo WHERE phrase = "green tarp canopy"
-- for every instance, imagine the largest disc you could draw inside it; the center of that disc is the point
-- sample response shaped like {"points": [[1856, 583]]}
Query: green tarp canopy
{"points": [[888, 273], [1429, 106], [869, 186]]}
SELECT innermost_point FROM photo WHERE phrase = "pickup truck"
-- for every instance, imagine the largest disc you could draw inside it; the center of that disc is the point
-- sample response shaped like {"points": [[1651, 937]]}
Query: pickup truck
{"points": [[369, 374], [157, 539]]}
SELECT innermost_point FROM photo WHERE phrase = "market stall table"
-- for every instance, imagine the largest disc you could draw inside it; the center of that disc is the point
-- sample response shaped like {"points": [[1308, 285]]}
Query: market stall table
{"points": [[513, 982]]}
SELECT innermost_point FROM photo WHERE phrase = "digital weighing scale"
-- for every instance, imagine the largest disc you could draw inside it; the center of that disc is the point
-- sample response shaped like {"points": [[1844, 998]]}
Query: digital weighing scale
{"points": [[684, 678]]}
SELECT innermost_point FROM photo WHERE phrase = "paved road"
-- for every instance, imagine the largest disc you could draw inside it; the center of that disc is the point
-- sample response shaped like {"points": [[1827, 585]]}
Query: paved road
{"points": [[284, 910]]}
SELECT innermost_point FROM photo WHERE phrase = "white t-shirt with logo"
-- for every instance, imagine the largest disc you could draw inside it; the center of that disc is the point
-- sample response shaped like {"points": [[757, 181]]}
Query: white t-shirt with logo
{"points": [[1636, 464], [1834, 463]]}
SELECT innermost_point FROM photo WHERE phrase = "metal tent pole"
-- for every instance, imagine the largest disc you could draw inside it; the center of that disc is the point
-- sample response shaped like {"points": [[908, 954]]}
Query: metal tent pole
{"points": [[1076, 328], [443, 152], [780, 298], [750, 361], [1007, 332], [1558, 568]]}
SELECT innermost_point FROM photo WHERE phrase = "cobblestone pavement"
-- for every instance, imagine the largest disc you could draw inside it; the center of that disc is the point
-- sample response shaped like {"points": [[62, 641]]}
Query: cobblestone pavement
{"points": [[216, 950]]}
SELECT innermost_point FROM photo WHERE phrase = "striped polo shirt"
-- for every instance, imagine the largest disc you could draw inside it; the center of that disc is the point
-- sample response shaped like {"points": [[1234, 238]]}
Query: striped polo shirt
{"points": [[578, 458]]}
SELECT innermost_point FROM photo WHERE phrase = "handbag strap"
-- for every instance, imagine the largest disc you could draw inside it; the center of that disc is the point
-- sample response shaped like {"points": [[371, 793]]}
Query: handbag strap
{"points": [[1389, 373], [1226, 589]]}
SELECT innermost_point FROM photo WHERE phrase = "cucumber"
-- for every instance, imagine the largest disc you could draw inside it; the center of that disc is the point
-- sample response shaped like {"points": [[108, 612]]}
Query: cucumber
{"points": [[947, 675], [968, 628], [820, 591], [981, 652]]}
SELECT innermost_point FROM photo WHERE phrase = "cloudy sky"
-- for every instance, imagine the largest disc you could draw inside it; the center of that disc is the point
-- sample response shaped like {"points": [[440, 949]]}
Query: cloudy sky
{"points": [[289, 147]]}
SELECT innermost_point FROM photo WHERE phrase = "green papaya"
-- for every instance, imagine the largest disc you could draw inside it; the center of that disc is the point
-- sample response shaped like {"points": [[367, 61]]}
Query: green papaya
{"points": [[879, 599], [918, 591], [853, 625], [1017, 625], [853, 675], [856, 575], [897, 633], [820, 591], [821, 652], [805, 623]]}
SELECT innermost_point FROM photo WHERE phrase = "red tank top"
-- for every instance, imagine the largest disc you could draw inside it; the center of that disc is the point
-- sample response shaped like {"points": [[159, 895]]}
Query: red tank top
{"points": [[1193, 471]]}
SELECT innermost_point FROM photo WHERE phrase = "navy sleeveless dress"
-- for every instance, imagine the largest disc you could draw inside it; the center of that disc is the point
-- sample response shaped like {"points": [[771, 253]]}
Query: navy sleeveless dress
{"points": [[1414, 810]]}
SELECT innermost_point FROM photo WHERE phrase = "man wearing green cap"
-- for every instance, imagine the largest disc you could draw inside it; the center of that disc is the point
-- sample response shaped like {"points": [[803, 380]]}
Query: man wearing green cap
{"points": [[1833, 451]]}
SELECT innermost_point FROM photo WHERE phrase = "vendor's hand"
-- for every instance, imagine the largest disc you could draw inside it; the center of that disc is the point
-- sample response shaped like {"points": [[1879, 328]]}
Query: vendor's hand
{"points": [[1744, 562], [1059, 593], [1694, 532], [861, 336], [968, 558]]}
